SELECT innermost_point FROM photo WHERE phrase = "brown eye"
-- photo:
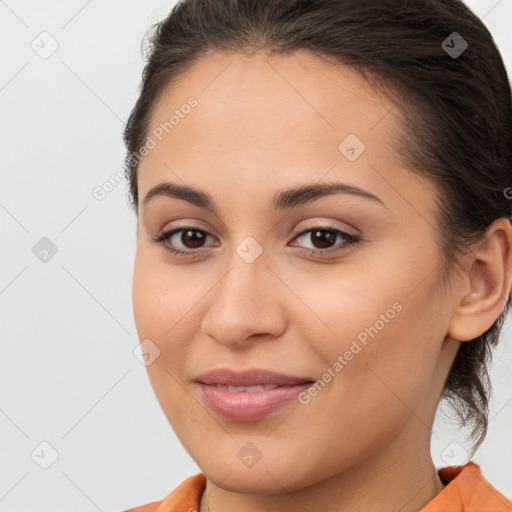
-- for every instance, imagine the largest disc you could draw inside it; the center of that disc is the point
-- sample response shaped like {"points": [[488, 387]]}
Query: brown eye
{"points": [[192, 238], [323, 240], [191, 241], [188, 241]]}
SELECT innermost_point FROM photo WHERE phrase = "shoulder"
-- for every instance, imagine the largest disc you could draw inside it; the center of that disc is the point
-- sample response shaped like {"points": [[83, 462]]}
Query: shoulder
{"points": [[185, 497], [467, 490]]}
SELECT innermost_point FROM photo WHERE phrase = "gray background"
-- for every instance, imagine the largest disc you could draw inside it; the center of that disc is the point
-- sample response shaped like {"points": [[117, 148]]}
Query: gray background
{"points": [[68, 374]]}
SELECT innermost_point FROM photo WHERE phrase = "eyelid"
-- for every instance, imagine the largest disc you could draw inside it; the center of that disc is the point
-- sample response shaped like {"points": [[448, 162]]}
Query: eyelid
{"points": [[326, 223]]}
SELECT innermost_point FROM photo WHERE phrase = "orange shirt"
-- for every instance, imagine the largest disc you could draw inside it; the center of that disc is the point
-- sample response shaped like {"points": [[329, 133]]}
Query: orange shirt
{"points": [[466, 491]]}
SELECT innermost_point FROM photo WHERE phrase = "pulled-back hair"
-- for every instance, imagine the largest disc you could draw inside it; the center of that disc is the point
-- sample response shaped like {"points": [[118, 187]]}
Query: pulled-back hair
{"points": [[455, 110]]}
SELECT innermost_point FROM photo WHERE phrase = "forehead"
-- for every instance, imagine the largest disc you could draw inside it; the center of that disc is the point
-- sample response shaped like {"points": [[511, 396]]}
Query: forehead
{"points": [[269, 95], [262, 122]]}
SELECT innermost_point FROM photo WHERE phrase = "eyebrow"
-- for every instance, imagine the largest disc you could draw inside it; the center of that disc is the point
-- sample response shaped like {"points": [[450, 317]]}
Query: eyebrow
{"points": [[283, 199]]}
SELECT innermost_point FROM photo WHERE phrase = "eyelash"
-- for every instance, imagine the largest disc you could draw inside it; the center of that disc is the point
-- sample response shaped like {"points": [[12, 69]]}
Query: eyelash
{"points": [[350, 240]]}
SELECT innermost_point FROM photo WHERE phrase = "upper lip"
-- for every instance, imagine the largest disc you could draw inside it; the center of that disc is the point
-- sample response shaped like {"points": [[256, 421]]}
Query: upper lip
{"points": [[252, 377]]}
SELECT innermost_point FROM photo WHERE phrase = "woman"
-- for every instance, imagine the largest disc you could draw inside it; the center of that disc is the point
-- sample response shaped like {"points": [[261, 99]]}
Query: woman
{"points": [[324, 248]]}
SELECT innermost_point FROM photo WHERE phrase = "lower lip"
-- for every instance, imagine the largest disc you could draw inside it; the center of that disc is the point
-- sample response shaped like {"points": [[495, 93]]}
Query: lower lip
{"points": [[249, 405]]}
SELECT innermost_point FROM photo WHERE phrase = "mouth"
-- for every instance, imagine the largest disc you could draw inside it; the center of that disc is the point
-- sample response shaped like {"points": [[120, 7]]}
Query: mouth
{"points": [[250, 378], [250, 395], [250, 389]]}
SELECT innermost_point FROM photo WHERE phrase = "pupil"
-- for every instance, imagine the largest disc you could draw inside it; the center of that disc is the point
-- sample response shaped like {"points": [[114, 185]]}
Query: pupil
{"points": [[325, 240], [196, 240]]}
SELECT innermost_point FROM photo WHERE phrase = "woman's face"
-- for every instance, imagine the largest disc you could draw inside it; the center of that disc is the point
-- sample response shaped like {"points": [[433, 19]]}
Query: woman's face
{"points": [[366, 321]]}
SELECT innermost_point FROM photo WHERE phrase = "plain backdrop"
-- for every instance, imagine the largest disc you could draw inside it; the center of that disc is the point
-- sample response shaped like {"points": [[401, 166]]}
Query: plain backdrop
{"points": [[74, 397]]}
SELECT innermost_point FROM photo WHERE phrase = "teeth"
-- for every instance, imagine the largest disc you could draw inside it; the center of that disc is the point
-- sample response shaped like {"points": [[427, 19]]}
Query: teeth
{"points": [[265, 387]]}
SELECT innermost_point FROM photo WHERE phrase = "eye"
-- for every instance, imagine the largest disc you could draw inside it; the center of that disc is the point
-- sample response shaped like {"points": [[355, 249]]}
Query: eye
{"points": [[193, 239], [325, 238]]}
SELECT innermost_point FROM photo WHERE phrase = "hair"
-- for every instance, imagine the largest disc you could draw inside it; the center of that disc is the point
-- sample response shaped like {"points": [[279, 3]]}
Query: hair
{"points": [[455, 111]]}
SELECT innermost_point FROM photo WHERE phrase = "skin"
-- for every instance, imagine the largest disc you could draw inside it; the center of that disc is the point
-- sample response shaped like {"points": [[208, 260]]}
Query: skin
{"points": [[264, 124]]}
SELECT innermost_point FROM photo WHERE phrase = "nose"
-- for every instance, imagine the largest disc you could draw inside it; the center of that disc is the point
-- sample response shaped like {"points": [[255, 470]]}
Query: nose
{"points": [[245, 304]]}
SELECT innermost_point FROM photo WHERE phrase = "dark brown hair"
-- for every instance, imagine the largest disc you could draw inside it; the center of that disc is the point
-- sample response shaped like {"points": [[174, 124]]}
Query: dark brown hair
{"points": [[455, 110]]}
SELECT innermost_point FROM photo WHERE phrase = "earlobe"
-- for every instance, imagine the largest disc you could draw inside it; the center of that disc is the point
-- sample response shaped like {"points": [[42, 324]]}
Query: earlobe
{"points": [[485, 284]]}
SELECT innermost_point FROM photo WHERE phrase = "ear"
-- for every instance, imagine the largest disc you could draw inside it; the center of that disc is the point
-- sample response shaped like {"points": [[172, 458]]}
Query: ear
{"points": [[486, 282]]}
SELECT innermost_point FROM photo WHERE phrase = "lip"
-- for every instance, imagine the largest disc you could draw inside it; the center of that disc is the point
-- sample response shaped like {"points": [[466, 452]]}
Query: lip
{"points": [[251, 377], [249, 405]]}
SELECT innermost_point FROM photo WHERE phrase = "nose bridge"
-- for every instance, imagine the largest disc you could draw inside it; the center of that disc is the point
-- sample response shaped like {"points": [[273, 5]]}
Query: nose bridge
{"points": [[243, 301], [246, 265], [241, 290]]}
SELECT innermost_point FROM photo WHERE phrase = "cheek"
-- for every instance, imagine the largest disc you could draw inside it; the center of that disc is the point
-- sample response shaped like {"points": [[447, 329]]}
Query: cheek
{"points": [[158, 304], [143, 288], [374, 370], [167, 310], [377, 332], [162, 296]]}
